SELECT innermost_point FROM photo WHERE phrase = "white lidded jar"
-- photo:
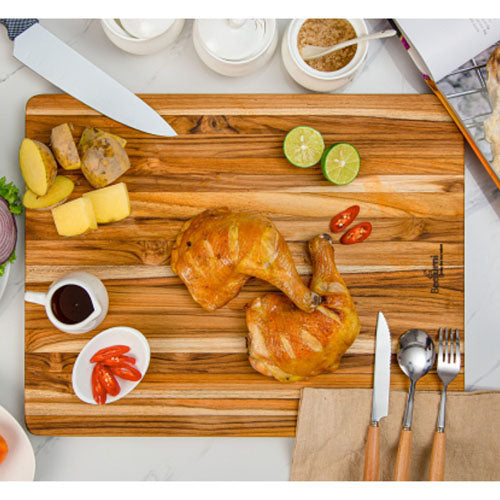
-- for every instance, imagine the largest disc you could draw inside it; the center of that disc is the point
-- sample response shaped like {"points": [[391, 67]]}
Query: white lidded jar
{"points": [[235, 47], [142, 36], [314, 79]]}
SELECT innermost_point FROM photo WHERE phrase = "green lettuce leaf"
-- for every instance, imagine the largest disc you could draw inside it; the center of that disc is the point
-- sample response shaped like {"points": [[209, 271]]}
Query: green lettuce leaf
{"points": [[10, 193], [11, 259]]}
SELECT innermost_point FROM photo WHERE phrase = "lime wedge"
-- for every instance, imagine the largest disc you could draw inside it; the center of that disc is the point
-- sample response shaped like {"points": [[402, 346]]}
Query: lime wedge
{"points": [[303, 146], [340, 163]]}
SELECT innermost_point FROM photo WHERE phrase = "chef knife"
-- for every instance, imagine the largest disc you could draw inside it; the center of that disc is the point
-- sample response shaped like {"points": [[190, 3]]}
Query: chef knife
{"points": [[380, 398], [51, 58]]}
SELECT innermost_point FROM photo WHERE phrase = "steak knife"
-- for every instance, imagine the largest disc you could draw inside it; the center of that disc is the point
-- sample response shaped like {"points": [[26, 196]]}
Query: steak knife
{"points": [[51, 58], [380, 398]]}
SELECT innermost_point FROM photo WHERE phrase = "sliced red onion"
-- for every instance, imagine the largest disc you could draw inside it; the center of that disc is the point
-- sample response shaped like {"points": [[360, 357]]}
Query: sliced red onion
{"points": [[8, 231]]}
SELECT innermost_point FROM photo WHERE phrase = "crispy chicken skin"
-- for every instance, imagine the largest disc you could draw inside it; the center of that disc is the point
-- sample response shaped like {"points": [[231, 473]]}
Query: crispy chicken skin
{"points": [[289, 344], [492, 124], [217, 251]]}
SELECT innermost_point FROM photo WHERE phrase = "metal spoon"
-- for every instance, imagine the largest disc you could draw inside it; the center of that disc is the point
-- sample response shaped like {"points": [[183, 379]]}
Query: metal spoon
{"points": [[313, 51], [416, 357]]}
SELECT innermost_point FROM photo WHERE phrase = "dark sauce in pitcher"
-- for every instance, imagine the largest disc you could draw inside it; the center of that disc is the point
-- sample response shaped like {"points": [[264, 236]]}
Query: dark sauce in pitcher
{"points": [[71, 304]]}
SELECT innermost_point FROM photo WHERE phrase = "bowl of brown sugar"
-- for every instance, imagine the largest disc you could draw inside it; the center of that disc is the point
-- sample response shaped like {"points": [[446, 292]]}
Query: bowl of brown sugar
{"points": [[331, 71]]}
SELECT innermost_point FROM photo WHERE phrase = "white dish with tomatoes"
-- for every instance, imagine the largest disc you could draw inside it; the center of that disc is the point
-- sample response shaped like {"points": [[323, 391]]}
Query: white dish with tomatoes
{"points": [[111, 365], [17, 459]]}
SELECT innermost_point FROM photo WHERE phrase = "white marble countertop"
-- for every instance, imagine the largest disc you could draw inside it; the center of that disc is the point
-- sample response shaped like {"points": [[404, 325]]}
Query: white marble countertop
{"points": [[178, 70]]}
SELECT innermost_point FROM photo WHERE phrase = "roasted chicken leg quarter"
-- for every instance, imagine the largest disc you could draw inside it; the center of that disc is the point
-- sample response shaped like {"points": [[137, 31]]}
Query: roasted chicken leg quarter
{"points": [[289, 344], [217, 251]]}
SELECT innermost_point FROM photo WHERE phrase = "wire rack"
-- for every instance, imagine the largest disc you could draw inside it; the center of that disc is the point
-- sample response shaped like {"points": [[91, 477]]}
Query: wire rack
{"points": [[479, 69]]}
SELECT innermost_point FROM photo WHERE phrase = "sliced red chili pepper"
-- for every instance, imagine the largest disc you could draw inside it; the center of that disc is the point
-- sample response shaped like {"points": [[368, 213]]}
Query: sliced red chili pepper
{"points": [[357, 234], [126, 372], [98, 390], [108, 380], [116, 360], [108, 352], [343, 219]]}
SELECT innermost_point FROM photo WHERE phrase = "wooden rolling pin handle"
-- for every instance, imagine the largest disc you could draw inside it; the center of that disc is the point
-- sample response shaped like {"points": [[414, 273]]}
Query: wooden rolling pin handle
{"points": [[372, 454], [403, 458], [436, 470]]}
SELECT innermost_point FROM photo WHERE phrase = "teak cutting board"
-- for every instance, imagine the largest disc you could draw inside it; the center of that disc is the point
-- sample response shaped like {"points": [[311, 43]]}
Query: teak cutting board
{"points": [[229, 153]]}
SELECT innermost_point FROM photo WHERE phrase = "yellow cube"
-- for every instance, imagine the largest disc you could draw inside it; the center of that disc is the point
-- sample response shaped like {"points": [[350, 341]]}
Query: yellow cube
{"points": [[75, 217], [110, 203]]}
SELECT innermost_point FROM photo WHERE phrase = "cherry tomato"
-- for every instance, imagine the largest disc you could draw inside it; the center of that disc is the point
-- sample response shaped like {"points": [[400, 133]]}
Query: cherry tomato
{"points": [[357, 234], [98, 390], [108, 380], [343, 219], [126, 372], [108, 352], [4, 449], [116, 360]]}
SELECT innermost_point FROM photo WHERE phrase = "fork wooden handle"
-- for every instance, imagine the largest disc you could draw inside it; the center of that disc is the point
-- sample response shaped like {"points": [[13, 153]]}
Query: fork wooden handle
{"points": [[403, 458], [436, 470], [372, 454]]}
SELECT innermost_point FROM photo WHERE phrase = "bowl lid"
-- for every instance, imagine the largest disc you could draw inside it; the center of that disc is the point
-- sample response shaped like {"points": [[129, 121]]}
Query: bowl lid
{"points": [[234, 39], [145, 29]]}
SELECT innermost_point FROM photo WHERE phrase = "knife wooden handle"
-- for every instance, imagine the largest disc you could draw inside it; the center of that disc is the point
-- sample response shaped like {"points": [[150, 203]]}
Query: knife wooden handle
{"points": [[372, 454], [403, 458], [436, 470]]}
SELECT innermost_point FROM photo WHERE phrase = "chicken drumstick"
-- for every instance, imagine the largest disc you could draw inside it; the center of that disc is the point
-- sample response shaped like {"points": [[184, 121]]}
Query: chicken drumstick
{"points": [[289, 344]]}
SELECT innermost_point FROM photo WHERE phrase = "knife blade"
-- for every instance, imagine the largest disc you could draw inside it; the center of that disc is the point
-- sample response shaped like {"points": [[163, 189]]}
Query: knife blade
{"points": [[51, 58], [380, 397]]}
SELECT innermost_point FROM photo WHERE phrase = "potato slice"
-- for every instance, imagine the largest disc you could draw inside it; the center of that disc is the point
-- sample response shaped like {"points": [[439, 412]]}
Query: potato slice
{"points": [[64, 148], [38, 166], [75, 217], [104, 161], [111, 203], [58, 193], [91, 134]]}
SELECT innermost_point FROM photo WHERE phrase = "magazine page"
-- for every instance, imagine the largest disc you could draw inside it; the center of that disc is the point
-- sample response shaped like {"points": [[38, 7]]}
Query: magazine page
{"points": [[473, 92], [445, 44]]}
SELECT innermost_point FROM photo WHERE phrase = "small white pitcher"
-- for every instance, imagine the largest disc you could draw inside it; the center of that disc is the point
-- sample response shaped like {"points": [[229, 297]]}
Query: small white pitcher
{"points": [[91, 284]]}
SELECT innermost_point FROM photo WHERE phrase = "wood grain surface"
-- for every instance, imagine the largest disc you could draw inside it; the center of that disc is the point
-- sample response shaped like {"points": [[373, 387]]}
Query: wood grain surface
{"points": [[229, 153]]}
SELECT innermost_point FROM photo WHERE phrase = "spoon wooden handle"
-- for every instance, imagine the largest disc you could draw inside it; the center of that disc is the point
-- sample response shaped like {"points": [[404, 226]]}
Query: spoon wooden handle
{"points": [[372, 454], [403, 458], [436, 471]]}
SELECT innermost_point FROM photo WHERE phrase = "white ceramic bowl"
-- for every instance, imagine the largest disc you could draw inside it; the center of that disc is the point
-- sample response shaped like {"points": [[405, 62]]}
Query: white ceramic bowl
{"points": [[119, 335], [141, 46], [19, 464], [313, 79], [241, 67], [4, 279]]}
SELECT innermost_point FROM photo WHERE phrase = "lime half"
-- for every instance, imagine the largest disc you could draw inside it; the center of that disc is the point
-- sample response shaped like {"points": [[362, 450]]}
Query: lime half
{"points": [[340, 163], [303, 146]]}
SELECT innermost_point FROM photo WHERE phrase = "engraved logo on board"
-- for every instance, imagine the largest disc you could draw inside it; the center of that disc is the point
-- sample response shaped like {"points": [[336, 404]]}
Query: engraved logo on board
{"points": [[437, 270]]}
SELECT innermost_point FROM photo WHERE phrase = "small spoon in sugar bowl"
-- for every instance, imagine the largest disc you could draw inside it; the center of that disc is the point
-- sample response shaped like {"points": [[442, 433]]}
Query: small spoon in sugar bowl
{"points": [[309, 52]]}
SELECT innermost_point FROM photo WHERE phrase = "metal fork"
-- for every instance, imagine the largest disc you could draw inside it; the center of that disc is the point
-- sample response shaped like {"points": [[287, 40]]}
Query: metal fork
{"points": [[448, 366]]}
